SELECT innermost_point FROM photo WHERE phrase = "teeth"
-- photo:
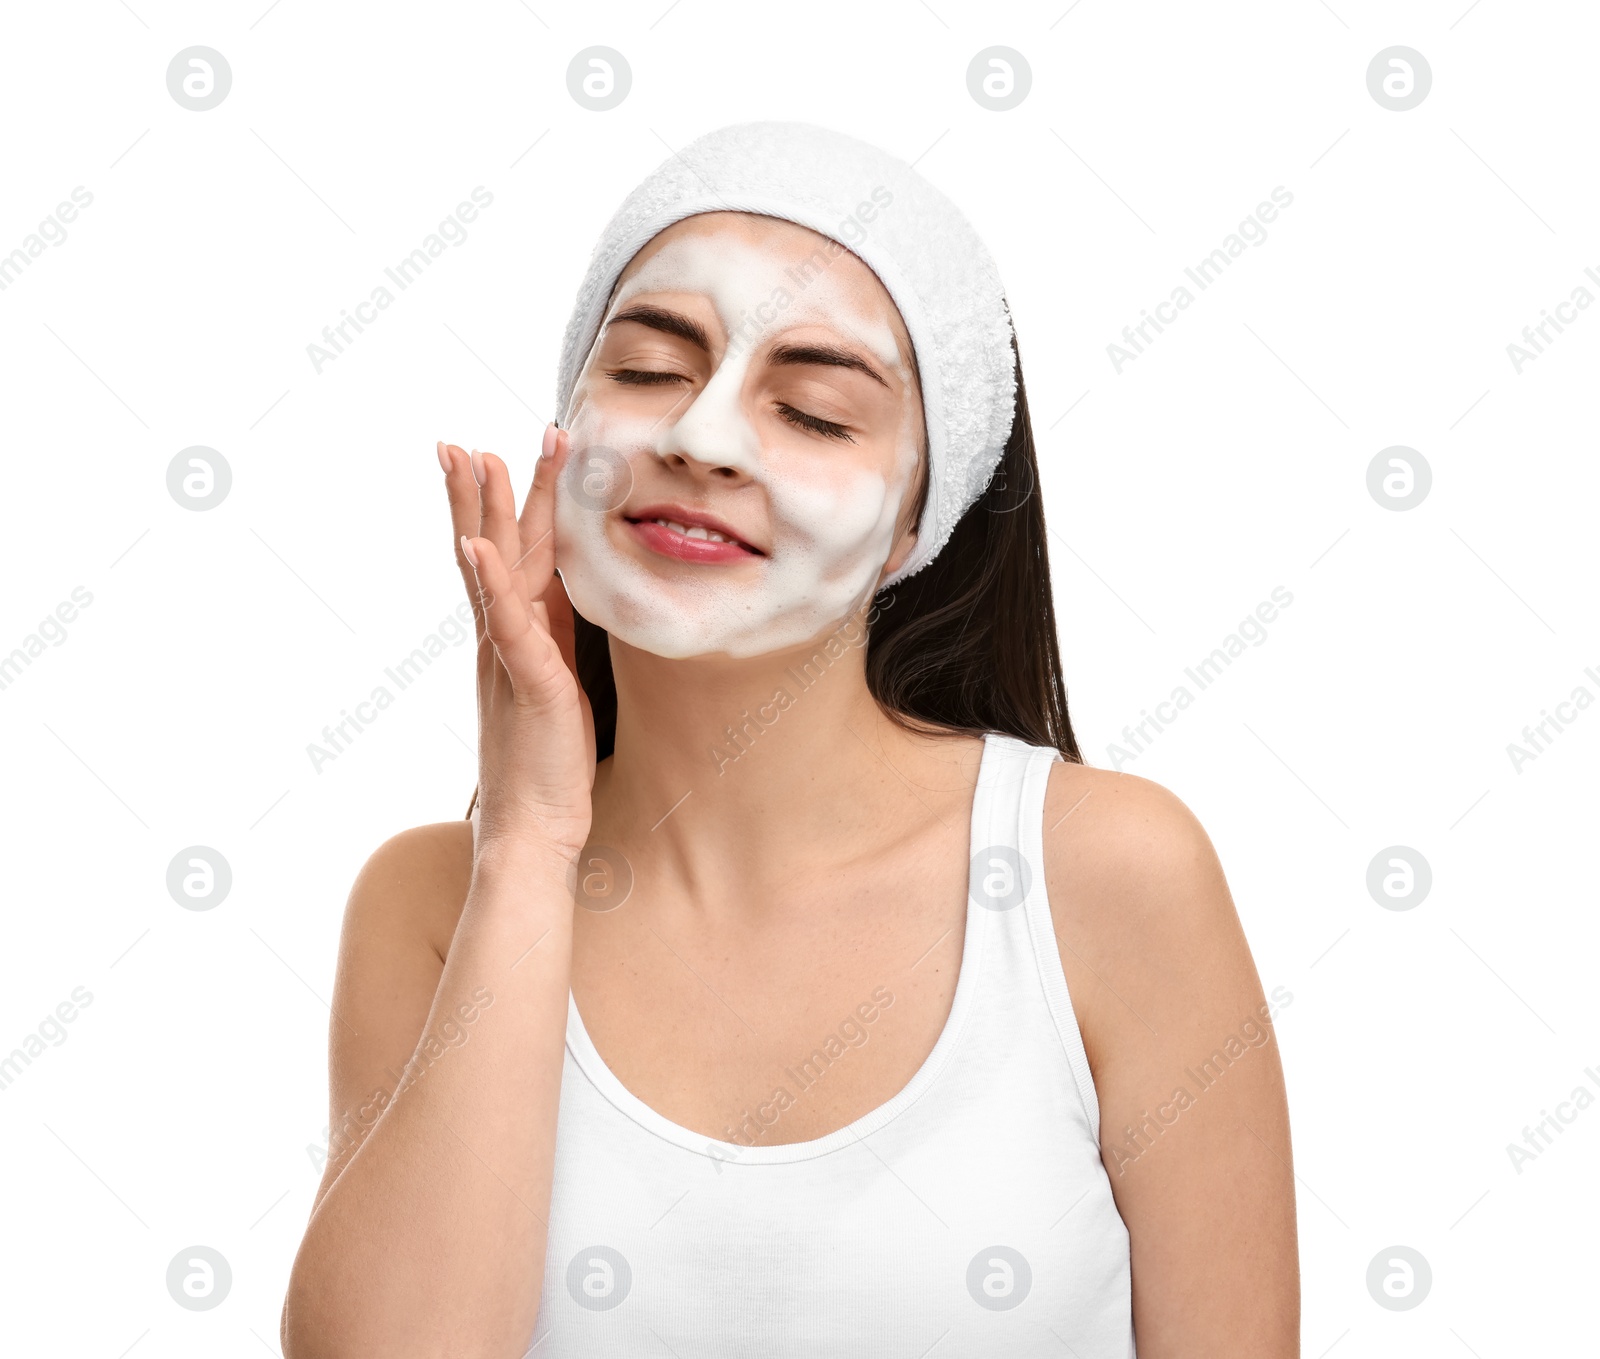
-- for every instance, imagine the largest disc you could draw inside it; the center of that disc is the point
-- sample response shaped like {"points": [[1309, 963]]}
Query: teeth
{"points": [[698, 531]]}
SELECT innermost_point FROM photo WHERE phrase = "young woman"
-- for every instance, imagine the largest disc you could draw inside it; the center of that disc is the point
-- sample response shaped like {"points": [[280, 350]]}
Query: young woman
{"points": [[794, 988]]}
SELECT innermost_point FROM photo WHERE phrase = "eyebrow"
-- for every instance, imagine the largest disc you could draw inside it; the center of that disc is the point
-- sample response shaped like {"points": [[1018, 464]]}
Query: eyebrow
{"points": [[671, 322], [828, 355], [685, 328]]}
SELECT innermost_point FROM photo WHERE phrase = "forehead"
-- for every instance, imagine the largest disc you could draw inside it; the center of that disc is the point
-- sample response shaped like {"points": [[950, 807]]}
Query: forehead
{"points": [[740, 260]]}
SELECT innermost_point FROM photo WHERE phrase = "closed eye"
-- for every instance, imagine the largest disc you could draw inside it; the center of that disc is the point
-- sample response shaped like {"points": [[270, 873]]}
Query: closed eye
{"points": [[814, 423], [639, 377]]}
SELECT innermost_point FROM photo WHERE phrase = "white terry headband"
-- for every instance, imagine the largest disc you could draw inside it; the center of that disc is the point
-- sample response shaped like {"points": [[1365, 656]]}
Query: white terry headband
{"points": [[925, 253]]}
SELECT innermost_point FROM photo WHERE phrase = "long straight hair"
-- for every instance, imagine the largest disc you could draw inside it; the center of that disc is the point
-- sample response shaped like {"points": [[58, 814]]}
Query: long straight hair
{"points": [[966, 645]]}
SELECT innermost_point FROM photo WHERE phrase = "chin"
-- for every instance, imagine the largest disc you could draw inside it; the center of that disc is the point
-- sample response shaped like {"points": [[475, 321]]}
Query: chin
{"points": [[678, 624], [682, 611]]}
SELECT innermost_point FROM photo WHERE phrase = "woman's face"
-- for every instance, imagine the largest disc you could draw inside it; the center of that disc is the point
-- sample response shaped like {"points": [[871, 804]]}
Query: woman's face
{"points": [[745, 443]]}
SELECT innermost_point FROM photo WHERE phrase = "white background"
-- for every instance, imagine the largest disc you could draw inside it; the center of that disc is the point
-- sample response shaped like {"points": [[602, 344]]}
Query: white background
{"points": [[1228, 459]]}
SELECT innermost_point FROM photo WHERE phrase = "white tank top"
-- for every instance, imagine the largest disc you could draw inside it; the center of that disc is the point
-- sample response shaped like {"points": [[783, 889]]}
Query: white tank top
{"points": [[970, 1216]]}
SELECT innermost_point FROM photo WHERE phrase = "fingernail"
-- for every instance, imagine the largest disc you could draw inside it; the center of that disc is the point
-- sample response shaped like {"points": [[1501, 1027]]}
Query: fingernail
{"points": [[444, 457], [549, 448], [477, 467], [467, 552]]}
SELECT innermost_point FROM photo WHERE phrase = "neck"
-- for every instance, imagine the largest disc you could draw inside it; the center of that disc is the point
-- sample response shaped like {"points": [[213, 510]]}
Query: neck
{"points": [[746, 765]]}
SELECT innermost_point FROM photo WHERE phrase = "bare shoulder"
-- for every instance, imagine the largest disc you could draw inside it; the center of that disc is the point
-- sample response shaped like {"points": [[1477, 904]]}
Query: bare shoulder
{"points": [[1120, 830], [416, 879], [1140, 906], [1194, 1122]]}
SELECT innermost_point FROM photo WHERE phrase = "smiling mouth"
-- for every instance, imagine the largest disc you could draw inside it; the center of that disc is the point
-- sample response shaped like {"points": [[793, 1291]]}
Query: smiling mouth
{"points": [[688, 537]]}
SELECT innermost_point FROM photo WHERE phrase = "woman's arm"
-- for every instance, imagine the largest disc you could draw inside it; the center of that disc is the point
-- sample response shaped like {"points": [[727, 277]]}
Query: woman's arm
{"points": [[428, 1233], [430, 1238], [1194, 1124]]}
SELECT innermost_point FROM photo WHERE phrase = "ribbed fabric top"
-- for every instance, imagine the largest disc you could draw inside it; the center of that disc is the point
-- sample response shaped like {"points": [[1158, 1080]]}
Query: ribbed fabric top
{"points": [[969, 1215]]}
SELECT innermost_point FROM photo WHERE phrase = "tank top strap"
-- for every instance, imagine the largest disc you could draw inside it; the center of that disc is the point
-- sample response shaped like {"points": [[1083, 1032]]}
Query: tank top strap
{"points": [[1010, 904]]}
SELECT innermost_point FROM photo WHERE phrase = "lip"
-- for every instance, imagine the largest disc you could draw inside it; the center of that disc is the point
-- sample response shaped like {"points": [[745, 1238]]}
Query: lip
{"points": [[670, 543]]}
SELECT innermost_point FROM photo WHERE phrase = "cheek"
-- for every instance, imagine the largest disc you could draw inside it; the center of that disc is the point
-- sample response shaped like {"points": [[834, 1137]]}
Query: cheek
{"points": [[843, 517], [611, 427], [597, 477]]}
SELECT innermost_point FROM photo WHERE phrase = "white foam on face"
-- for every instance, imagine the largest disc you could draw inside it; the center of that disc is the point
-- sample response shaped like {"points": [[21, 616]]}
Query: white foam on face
{"points": [[830, 521]]}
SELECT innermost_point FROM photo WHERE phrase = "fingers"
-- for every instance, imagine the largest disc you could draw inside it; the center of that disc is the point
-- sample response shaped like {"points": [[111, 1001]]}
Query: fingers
{"points": [[465, 515], [531, 659], [558, 620], [537, 525], [482, 504], [498, 513]]}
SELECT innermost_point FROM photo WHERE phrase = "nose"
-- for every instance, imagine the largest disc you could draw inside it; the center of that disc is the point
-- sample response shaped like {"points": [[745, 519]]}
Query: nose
{"points": [[713, 435]]}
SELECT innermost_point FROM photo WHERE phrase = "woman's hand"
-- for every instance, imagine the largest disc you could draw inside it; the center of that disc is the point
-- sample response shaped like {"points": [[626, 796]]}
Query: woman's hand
{"points": [[536, 745]]}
